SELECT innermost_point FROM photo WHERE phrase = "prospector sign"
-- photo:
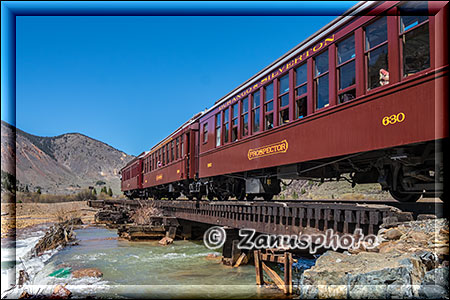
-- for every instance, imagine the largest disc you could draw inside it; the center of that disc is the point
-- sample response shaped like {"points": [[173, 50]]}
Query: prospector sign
{"points": [[280, 147]]}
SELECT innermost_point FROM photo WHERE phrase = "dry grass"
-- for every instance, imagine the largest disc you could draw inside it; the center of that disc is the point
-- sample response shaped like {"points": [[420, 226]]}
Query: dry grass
{"points": [[142, 215], [30, 214], [28, 197]]}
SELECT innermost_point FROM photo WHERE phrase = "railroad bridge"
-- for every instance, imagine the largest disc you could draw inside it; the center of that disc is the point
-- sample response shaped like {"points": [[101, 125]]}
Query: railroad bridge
{"points": [[291, 217]]}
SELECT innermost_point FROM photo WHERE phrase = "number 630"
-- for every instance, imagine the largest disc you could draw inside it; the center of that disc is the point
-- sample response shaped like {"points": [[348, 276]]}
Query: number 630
{"points": [[392, 119]]}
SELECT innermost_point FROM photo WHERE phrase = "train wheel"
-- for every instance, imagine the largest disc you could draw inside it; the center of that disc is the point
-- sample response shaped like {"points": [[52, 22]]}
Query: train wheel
{"points": [[241, 196], [268, 197], [210, 197], [223, 197], [403, 197], [250, 197], [190, 197]]}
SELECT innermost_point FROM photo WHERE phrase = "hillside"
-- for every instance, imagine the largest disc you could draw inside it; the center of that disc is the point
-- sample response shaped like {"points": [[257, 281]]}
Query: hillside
{"points": [[62, 164]]}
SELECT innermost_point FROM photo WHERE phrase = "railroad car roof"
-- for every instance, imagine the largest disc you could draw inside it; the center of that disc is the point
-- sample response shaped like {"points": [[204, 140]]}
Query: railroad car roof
{"points": [[309, 42], [306, 44], [134, 159]]}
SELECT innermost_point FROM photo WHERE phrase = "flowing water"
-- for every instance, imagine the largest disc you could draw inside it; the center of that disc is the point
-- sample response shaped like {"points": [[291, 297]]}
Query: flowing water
{"points": [[134, 269]]}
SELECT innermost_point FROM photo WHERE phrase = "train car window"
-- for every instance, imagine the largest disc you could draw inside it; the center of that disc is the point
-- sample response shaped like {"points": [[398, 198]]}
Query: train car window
{"points": [[414, 36], [283, 100], [159, 158], [218, 130], [177, 144], [256, 100], [171, 151], [182, 145], [226, 125], [164, 155], [300, 91], [376, 53], [205, 133], [234, 122], [167, 154], [346, 69], [244, 116], [268, 107], [321, 80]]}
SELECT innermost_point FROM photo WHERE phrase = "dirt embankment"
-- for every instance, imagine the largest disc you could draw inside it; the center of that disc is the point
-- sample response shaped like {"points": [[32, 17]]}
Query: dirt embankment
{"points": [[30, 214]]}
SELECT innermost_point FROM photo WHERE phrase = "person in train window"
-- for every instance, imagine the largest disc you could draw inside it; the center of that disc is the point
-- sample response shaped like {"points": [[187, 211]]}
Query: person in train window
{"points": [[159, 164], [384, 77]]}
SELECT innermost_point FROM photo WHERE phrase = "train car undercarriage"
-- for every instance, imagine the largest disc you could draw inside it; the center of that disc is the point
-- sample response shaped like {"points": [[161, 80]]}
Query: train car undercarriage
{"points": [[407, 172]]}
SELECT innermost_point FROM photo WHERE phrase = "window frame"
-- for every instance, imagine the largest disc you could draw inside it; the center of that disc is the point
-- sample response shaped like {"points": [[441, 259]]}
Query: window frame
{"points": [[205, 133], [401, 34], [281, 109], [316, 78], [233, 119], [225, 130], [218, 129], [243, 114], [303, 96], [253, 112], [177, 144], [338, 66], [182, 145], [367, 51], [266, 102]]}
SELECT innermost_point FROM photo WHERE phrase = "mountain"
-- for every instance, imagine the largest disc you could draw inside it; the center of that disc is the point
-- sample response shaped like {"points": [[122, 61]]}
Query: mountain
{"points": [[62, 164]]}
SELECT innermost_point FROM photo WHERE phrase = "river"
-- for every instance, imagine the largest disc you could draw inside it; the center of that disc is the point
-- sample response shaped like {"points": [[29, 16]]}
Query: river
{"points": [[131, 269]]}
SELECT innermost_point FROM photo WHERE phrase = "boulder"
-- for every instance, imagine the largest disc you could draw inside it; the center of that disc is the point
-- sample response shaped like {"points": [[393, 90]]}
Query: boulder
{"points": [[393, 234], [435, 284], [165, 241], [87, 272], [60, 292], [366, 274]]}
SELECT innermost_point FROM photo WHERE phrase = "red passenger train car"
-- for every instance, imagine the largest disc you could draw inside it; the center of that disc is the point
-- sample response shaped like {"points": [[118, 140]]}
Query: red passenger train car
{"points": [[167, 169], [365, 100], [131, 177]]}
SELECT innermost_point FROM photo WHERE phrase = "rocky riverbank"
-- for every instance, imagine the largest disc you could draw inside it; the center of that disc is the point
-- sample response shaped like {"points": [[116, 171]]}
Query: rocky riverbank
{"points": [[411, 261], [25, 215]]}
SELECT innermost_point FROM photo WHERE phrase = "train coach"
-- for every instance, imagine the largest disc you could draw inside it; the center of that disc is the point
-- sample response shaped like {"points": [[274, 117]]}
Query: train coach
{"points": [[364, 99]]}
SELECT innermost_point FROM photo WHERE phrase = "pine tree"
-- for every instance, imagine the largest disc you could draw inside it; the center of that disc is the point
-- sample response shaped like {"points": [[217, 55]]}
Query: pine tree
{"points": [[39, 190], [94, 192], [110, 192]]}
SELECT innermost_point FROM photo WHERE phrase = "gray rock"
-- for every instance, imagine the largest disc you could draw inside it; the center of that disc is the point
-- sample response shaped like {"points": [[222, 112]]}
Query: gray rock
{"points": [[435, 284], [365, 275]]}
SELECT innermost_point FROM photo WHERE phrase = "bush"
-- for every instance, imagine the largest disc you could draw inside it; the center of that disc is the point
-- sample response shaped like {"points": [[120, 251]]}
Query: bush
{"points": [[83, 195], [141, 216], [8, 181]]}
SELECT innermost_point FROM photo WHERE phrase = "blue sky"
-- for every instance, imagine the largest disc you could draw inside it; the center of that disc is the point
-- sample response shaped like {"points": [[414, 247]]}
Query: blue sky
{"points": [[130, 81]]}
